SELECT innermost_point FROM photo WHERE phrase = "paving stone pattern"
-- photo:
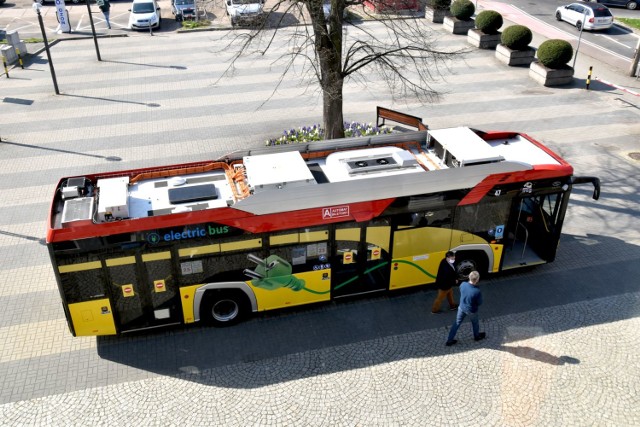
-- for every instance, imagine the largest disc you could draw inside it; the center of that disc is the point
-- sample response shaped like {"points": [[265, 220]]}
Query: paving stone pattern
{"points": [[562, 345]]}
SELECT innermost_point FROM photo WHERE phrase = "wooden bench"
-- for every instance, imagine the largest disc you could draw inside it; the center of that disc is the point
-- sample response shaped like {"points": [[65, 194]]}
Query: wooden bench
{"points": [[398, 117]]}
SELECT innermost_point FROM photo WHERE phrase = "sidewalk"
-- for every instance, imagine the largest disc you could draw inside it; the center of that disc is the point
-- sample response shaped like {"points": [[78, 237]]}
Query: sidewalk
{"points": [[615, 75]]}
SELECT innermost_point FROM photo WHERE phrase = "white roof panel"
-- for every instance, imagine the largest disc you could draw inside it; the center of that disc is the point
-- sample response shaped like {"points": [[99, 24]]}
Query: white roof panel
{"points": [[465, 145]]}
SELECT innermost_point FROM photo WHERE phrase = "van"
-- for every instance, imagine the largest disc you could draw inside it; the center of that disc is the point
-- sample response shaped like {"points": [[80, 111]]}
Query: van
{"points": [[245, 12]]}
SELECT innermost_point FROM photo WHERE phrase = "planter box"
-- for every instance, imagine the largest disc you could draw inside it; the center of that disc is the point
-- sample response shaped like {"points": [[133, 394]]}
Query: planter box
{"points": [[484, 41], [550, 77], [456, 26], [515, 57], [436, 15]]}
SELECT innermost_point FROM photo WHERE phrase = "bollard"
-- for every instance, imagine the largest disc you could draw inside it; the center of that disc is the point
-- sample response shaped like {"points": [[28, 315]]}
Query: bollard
{"points": [[4, 62], [589, 77], [19, 58]]}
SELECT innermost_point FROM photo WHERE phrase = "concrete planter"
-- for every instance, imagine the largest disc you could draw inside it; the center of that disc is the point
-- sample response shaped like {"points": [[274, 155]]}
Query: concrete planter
{"points": [[479, 39], [550, 77], [436, 15], [456, 26], [515, 57]]}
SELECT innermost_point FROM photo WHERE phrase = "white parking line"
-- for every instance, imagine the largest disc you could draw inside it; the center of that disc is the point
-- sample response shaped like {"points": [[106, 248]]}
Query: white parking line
{"points": [[614, 40]]}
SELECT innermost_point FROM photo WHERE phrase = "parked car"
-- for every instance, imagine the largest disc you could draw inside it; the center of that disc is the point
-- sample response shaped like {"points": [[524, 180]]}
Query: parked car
{"points": [[183, 9], [586, 16], [629, 4], [245, 11], [144, 14]]}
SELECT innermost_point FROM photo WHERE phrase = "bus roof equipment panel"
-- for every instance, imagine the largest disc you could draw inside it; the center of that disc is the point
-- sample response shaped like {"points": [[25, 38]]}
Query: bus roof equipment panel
{"points": [[273, 180]]}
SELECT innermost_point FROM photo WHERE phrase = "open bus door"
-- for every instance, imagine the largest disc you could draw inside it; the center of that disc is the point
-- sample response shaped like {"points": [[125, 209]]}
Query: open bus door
{"points": [[535, 222], [533, 231]]}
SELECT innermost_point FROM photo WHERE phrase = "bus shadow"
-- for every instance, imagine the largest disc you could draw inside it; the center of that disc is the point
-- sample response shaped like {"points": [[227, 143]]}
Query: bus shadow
{"points": [[592, 282]]}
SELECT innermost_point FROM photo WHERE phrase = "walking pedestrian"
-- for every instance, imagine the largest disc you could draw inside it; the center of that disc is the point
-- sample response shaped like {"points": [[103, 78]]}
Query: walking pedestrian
{"points": [[104, 6], [470, 300], [445, 280]]}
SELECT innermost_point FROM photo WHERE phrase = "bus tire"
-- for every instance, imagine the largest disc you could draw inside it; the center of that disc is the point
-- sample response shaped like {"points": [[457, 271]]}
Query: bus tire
{"points": [[224, 308], [468, 261]]}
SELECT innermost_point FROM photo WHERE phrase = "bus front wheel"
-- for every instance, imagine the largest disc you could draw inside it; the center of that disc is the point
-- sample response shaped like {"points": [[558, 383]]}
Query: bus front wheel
{"points": [[224, 308], [468, 262]]}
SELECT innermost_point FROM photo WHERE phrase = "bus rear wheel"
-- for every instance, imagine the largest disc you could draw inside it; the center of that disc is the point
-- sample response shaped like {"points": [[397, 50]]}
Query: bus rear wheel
{"points": [[224, 308]]}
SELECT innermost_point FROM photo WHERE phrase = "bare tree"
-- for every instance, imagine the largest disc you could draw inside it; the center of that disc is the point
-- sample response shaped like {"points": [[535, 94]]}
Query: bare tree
{"points": [[404, 55]]}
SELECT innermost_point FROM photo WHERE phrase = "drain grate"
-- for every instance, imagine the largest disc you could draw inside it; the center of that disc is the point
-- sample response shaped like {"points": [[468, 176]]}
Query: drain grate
{"points": [[635, 155]]}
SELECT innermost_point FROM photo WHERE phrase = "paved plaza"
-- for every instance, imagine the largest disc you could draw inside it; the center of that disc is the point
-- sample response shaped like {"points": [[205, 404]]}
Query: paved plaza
{"points": [[562, 346]]}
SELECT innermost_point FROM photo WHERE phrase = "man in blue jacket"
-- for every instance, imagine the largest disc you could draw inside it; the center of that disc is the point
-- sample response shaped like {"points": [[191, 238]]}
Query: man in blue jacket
{"points": [[470, 300]]}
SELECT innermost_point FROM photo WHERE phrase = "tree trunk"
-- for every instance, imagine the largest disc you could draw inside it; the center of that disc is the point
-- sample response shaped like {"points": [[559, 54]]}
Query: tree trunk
{"points": [[332, 108], [328, 46]]}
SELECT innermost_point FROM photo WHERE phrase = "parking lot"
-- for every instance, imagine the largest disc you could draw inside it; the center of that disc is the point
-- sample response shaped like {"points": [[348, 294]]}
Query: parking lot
{"points": [[21, 17]]}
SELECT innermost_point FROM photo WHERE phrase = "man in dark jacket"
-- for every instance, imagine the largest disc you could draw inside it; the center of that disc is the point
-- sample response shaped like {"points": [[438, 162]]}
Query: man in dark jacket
{"points": [[445, 280], [105, 6], [470, 300]]}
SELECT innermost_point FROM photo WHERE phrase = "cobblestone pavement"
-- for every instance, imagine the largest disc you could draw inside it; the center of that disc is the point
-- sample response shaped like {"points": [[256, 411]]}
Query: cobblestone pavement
{"points": [[562, 338]]}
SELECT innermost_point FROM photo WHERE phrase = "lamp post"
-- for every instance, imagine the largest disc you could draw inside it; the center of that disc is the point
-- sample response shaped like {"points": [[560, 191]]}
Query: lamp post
{"points": [[93, 30], [575, 57], [36, 7]]}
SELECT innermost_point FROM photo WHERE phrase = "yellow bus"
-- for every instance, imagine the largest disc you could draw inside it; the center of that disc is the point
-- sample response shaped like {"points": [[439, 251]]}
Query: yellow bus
{"points": [[283, 226]]}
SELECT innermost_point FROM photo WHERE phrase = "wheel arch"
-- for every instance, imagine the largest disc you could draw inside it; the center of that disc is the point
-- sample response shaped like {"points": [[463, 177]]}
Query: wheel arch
{"points": [[222, 286], [477, 248]]}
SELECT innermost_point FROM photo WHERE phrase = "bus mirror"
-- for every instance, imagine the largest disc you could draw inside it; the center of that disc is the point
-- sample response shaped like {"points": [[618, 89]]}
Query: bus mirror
{"points": [[588, 180]]}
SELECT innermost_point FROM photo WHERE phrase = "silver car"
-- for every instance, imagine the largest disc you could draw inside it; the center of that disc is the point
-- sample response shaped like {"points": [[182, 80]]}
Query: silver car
{"points": [[586, 16]]}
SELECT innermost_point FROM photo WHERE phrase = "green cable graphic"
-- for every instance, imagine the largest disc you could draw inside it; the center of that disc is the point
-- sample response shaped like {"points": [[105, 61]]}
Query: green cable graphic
{"points": [[367, 272], [400, 261], [284, 278]]}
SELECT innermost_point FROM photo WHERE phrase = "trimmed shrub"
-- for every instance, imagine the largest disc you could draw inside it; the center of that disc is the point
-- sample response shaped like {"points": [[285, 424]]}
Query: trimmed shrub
{"points": [[489, 21], [440, 4], [555, 53], [462, 9], [516, 37]]}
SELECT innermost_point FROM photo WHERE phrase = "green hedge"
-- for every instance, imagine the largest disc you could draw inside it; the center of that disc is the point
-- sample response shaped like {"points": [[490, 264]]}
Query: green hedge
{"points": [[555, 53], [489, 21], [440, 4], [462, 9], [516, 37]]}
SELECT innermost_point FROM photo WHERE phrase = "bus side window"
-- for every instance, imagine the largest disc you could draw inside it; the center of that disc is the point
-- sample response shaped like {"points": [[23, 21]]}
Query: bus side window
{"points": [[79, 286]]}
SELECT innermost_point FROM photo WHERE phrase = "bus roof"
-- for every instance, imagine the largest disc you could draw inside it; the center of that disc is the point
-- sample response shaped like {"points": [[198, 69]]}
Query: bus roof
{"points": [[365, 174]]}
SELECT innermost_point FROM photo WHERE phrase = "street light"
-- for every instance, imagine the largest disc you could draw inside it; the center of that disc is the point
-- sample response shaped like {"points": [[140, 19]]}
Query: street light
{"points": [[584, 18], [36, 7]]}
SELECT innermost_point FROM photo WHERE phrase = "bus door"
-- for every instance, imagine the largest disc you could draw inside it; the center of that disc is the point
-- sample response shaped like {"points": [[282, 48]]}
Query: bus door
{"points": [[144, 292], [360, 258], [531, 236], [161, 285]]}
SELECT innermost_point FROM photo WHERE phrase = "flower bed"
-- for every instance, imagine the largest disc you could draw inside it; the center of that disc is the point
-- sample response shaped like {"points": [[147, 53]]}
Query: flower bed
{"points": [[316, 133]]}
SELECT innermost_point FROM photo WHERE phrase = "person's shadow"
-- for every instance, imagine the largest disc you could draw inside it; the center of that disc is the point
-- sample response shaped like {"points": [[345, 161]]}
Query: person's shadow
{"points": [[540, 356]]}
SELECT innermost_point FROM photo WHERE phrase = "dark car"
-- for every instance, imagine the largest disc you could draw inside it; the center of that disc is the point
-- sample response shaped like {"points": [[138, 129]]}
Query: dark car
{"points": [[629, 4], [183, 9]]}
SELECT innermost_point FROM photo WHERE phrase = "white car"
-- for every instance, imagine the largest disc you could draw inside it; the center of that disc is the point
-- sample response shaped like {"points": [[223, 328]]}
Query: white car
{"points": [[145, 14], [245, 11], [586, 16]]}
